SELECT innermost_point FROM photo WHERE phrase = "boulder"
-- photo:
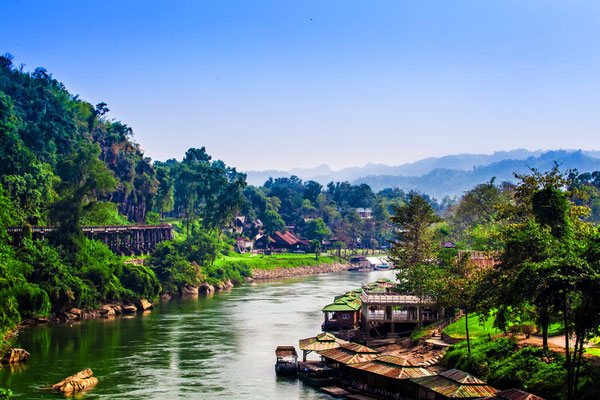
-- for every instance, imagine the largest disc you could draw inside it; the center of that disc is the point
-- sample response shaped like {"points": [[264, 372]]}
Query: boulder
{"points": [[228, 284], [69, 316], [143, 305], [206, 288], [129, 309], [75, 311], [165, 298], [15, 356], [82, 380], [107, 311], [118, 309], [189, 291]]}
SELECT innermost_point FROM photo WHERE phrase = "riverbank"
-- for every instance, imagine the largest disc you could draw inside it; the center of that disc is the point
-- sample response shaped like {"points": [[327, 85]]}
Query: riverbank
{"points": [[113, 309], [286, 272]]}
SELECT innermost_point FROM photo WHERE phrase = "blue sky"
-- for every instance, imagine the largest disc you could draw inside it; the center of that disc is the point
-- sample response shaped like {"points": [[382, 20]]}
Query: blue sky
{"points": [[280, 84]]}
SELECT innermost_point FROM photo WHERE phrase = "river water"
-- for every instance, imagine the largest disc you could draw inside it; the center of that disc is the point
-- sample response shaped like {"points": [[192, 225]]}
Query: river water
{"points": [[221, 346]]}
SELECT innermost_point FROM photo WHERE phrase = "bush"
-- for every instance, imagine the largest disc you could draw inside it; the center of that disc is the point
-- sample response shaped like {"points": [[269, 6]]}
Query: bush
{"points": [[100, 267], [504, 366], [172, 268], [32, 300], [59, 280], [141, 281], [9, 311], [5, 394], [102, 214]]}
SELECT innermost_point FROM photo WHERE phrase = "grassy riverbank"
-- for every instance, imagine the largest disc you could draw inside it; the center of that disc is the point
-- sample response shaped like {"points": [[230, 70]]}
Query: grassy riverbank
{"points": [[477, 328], [269, 262]]}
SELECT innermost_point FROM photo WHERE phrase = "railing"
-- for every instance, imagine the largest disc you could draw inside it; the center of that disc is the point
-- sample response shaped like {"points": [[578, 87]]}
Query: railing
{"points": [[400, 315], [395, 299], [91, 229]]}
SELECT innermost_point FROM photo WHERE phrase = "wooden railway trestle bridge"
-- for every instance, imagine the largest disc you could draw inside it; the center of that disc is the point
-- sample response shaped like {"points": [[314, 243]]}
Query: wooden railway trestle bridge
{"points": [[121, 239]]}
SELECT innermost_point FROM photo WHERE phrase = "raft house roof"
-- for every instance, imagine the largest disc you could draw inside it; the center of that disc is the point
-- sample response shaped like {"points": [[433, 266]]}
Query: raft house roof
{"points": [[347, 302], [394, 367], [515, 394], [286, 351], [350, 353], [322, 341], [456, 384]]}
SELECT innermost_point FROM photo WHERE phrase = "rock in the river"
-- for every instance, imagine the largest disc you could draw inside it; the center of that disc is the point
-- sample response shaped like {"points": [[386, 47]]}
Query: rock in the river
{"points": [[82, 380], [129, 309], [15, 356], [206, 288], [143, 305], [165, 298], [189, 291], [69, 316], [75, 311], [107, 311]]}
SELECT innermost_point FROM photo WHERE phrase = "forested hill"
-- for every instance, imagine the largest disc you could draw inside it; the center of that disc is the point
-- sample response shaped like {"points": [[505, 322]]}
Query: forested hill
{"points": [[45, 128], [443, 182], [443, 176]]}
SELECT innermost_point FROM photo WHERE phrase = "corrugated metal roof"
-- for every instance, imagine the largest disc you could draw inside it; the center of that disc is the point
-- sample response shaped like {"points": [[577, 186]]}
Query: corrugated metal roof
{"points": [[350, 353], [392, 367], [461, 377], [321, 342], [452, 389], [515, 394], [285, 351], [395, 360], [358, 348], [339, 307]]}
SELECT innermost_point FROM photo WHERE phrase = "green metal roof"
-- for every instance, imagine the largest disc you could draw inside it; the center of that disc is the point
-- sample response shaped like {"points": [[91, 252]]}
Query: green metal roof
{"points": [[339, 307]]}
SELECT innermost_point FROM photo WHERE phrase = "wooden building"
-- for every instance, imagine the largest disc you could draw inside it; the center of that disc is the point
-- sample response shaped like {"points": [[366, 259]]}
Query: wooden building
{"points": [[282, 241], [387, 375], [451, 384], [343, 313], [323, 341], [384, 311]]}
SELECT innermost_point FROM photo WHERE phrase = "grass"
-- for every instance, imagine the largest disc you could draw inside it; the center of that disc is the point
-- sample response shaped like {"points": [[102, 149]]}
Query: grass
{"points": [[595, 351], [476, 329], [268, 262], [555, 329]]}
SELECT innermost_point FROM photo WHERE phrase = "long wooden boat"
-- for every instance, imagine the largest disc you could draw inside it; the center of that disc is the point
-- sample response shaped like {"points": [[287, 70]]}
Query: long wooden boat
{"points": [[287, 361]]}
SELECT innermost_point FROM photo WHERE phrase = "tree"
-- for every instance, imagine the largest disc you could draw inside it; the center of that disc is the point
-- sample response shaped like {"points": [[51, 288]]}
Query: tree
{"points": [[415, 241], [84, 178], [316, 229]]}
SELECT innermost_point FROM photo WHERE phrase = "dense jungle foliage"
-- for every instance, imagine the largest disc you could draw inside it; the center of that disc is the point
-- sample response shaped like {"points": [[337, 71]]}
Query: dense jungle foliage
{"points": [[65, 162]]}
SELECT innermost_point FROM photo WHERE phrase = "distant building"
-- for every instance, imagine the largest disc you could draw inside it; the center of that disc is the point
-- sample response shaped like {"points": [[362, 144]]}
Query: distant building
{"points": [[244, 244], [364, 213], [282, 241]]}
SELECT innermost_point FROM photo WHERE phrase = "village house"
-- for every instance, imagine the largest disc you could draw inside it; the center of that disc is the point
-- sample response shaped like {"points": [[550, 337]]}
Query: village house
{"points": [[343, 313], [364, 213], [282, 241]]}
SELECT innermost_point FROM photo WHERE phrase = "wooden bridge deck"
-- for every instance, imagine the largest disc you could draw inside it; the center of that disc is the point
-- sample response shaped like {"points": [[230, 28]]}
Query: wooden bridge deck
{"points": [[121, 239]]}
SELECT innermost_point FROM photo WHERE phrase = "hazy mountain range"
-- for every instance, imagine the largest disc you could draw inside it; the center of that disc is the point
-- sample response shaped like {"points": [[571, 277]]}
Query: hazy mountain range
{"points": [[443, 176]]}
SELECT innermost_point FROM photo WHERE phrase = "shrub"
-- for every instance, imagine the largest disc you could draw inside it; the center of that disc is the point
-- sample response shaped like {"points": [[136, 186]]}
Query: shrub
{"points": [[9, 310], [103, 213], [5, 394], [32, 300], [172, 268], [141, 281]]}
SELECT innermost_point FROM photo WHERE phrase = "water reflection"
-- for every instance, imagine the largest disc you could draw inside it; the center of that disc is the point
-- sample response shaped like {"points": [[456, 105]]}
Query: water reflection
{"points": [[198, 348]]}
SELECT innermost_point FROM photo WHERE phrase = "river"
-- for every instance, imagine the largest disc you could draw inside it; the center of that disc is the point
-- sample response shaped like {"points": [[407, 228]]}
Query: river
{"points": [[220, 346]]}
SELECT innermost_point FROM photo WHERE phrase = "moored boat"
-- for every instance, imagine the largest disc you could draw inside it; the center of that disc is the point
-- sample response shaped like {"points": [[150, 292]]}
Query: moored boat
{"points": [[287, 361]]}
